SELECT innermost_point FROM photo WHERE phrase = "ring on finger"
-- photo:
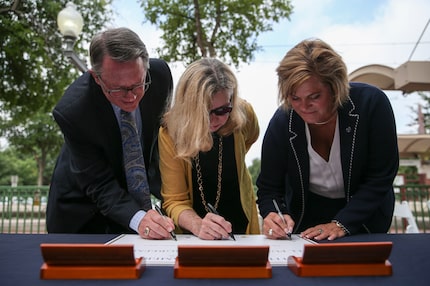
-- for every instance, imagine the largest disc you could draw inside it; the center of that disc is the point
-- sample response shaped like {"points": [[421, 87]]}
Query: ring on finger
{"points": [[320, 230], [270, 232], [147, 231]]}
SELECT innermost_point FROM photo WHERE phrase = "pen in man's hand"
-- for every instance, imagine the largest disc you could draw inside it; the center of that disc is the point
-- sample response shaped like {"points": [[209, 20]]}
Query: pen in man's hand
{"points": [[213, 210], [157, 208], [281, 216]]}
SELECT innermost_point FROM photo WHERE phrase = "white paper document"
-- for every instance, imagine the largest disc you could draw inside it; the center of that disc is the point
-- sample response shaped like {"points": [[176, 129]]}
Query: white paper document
{"points": [[164, 252]]}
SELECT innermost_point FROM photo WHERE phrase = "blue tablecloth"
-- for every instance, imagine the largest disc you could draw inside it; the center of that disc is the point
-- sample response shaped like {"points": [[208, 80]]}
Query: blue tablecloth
{"points": [[20, 261]]}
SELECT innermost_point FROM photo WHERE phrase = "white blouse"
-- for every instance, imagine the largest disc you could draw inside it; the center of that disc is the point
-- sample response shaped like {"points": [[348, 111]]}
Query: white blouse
{"points": [[326, 178]]}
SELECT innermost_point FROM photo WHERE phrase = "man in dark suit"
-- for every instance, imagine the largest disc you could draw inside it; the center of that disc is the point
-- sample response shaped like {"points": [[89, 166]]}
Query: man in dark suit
{"points": [[89, 192]]}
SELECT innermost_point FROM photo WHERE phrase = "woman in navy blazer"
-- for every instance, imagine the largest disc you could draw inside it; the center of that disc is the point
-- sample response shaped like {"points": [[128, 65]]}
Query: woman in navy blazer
{"points": [[329, 154], [88, 192]]}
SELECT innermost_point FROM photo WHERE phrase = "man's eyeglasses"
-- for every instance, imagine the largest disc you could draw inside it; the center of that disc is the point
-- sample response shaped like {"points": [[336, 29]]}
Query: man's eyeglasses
{"points": [[123, 91], [221, 110]]}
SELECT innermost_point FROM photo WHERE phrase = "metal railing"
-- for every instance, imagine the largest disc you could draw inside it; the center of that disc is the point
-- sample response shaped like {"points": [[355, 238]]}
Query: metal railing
{"points": [[417, 197], [22, 208]]}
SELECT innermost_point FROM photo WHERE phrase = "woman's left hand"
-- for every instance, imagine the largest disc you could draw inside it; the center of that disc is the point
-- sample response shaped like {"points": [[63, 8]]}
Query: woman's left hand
{"points": [[329, 231]]}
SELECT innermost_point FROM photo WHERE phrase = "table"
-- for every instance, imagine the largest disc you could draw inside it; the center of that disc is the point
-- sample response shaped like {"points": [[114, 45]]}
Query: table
{"points": [[20, 261]]}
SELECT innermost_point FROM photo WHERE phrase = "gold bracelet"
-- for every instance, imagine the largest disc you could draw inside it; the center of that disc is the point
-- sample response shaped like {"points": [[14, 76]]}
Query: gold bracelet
{"points": [[338, 224]]}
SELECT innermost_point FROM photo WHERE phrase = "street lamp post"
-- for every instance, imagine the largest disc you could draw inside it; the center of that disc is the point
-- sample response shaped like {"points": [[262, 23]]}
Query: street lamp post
{"points": [[70, 23]]}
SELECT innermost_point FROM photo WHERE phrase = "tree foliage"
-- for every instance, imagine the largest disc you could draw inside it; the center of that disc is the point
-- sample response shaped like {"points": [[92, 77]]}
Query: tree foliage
{"points": [[34, 72], [227, 29], [254, 170], [37, 137], [425, 112], [15, 163]]}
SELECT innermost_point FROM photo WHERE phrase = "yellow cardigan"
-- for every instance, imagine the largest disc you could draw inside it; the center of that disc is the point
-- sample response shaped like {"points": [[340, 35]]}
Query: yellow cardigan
{"points": [[176, 174]]}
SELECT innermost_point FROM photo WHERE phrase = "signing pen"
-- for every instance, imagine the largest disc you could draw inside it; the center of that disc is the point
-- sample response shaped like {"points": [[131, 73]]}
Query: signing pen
{"points": [[213, 210], [281, 216], [172, 233]]}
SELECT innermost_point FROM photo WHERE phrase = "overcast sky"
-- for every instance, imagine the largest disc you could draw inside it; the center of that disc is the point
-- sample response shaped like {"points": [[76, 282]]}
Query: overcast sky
{"points": [[363, 32]]}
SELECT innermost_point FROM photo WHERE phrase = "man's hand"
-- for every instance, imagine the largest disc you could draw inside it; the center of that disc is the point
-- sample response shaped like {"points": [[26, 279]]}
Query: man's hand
{"points": [[155, 226]]}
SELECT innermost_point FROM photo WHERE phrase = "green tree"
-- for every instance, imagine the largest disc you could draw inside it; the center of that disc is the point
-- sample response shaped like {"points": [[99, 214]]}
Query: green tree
{"points": [[225, 29], [37, 137], [254, 170], [34, 73], [15, 163], [425, 112]]}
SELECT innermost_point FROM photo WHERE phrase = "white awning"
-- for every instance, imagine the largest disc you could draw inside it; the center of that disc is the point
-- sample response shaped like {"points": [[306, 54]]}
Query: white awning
{"points": [[408, 77], [413, 144]]}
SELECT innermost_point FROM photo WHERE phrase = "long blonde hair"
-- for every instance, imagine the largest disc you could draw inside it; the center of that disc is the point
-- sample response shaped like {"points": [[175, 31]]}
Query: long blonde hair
{"points": [[188, 118]]}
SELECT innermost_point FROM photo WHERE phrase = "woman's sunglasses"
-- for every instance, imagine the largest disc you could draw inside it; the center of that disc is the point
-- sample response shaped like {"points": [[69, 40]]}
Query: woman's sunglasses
{"points": [[221, 110]]}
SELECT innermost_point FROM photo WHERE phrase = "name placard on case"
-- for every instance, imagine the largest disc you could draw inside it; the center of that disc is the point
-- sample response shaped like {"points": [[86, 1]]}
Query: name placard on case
{"points": [[89, 261], [343, 259], [222, 262]]}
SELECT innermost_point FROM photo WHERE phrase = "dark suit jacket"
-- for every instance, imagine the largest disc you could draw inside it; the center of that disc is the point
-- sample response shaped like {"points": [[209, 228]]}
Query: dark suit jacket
{"points": [[88, 192], [369, 158]]}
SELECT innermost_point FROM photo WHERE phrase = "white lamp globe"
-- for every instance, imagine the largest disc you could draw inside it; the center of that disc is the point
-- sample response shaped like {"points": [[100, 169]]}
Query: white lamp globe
{"points": [[70, 21]]}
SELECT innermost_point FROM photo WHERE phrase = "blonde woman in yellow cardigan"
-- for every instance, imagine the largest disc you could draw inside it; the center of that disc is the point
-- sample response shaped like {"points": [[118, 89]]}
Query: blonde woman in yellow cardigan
{"points": [[203, 141]]}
